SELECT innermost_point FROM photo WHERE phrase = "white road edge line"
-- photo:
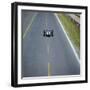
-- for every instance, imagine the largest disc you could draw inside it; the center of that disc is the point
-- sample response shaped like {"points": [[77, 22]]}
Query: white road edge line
{"points": [[67, 38], [29, 25]]}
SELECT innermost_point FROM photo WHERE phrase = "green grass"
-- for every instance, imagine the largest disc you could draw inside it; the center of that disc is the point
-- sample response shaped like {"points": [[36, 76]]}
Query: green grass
{"points": [[72, 30]]}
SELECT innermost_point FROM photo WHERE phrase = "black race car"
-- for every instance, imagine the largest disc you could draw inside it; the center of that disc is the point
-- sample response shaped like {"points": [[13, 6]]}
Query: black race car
{"points": [[48, 33]]}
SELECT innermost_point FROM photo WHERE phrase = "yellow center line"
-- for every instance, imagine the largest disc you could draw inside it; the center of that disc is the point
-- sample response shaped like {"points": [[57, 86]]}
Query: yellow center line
{"points": [[29, 26], [49, 69]]}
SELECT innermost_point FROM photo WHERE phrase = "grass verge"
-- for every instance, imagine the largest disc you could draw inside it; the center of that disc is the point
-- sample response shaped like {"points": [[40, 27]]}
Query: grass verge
{"points": [[72, 30]]}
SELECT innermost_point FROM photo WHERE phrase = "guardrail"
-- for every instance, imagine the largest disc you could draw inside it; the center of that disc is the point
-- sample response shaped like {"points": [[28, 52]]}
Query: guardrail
{"points": [[74, 18]]}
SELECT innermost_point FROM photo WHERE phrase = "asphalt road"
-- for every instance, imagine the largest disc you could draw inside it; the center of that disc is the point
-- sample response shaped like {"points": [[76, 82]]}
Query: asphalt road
{"points": [[46, 56]]}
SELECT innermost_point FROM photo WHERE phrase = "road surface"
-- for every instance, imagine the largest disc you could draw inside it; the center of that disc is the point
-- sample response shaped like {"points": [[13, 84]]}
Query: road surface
{"points": [[45, 56]]}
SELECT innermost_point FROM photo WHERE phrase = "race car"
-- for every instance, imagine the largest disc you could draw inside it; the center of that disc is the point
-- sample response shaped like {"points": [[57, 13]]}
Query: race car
{"points": [[48, 33]]}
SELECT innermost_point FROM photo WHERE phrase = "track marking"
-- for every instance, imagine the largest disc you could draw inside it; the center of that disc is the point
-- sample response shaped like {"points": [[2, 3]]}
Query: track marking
{"points": [[46, 21], [49, 66], [48, 48], [49, 69], [67, 38], [28, 27]]}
